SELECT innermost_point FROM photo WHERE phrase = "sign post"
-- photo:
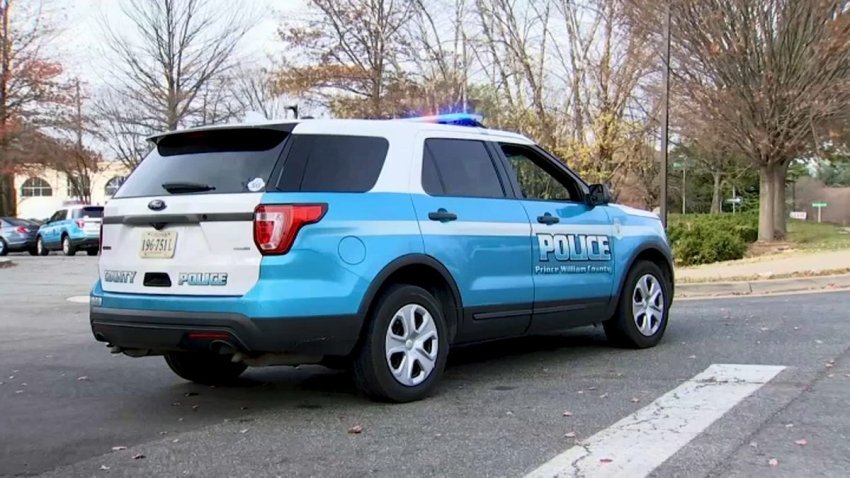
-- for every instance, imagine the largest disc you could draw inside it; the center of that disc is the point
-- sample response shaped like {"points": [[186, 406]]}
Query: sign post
{"points": [[735, 201], [819, 205]]}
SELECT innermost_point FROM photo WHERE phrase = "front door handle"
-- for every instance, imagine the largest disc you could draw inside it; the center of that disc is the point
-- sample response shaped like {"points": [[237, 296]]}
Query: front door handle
{"points": [[442, 215], [548, 219]]}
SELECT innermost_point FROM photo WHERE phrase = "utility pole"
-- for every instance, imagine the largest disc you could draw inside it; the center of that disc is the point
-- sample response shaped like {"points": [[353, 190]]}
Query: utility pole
{"points": [[684, 186], [665, 118]]}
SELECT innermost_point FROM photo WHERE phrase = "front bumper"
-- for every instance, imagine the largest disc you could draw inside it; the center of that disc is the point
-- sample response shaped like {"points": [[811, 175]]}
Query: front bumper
{"points": [[171, 330]]}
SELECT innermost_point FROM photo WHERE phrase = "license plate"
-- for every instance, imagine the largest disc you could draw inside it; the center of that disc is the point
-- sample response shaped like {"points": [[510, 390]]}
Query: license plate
{"points": [[158, 244]]}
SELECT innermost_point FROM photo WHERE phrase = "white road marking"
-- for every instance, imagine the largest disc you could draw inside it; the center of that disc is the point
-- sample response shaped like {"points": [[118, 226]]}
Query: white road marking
{"points": [[640, 442], [79, 299]]}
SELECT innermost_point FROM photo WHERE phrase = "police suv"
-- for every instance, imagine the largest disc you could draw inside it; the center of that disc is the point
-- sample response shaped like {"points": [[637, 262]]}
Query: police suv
{"points": [[374, 245]]}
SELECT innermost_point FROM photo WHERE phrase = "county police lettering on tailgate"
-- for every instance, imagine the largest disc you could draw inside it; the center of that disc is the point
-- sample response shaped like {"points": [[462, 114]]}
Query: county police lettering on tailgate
{"points": [[202, 278], [584, 252]]}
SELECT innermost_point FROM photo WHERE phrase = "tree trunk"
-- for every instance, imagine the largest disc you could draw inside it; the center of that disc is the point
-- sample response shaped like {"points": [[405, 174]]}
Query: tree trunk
{"points": [[779, 215], [767, 184], [8, 203], [716, 194]]}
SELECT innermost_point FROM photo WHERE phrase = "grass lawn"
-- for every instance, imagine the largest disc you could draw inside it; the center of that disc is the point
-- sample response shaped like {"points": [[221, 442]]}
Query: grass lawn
{"points": [[813, 236]]}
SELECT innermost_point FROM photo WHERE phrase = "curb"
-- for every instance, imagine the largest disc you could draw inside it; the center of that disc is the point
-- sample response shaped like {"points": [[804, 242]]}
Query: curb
{"points": [[760, 287]]}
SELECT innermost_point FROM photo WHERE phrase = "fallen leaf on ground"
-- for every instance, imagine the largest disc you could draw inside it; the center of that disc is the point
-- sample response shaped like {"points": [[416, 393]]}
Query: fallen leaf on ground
{"points": [[591, 388], [605, 460], [570, 435], [796, 328], [604, 395], [580, 392], [568, 414], [764, 329], [119, 448], [509, 413], [829, 365], [773, 462], [138, 456], [191, 394], [356, 429], [818, 342], [789, 425], [19, 391], [754, 444], [82, 379], [635, 399], [104, 467], [175, 440], [195, 408], [243, 431], [692, 356], [176, 404], [801, 442]]}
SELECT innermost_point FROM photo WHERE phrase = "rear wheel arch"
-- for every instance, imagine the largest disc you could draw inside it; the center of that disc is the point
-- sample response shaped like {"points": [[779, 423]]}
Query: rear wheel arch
{"points": [[423, 271]]}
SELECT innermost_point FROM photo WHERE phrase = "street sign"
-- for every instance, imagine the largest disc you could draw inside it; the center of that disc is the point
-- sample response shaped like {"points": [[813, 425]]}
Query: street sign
{"points": [[677, 165], [819, 205], [736, 200], [801, 215]]}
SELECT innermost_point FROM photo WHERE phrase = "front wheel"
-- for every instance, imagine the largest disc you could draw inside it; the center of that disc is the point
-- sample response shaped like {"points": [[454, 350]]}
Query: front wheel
{"points": [[641, 316], [67, 248], [39, 247], [204, 368], [404, 352]]}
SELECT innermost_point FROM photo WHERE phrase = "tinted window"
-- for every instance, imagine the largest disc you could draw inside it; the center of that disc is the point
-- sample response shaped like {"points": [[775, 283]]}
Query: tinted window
{"points": [[58, 215], [457, 167], [90, 211], [15, 222], [536, 178], [333, 163], [225, 159]]}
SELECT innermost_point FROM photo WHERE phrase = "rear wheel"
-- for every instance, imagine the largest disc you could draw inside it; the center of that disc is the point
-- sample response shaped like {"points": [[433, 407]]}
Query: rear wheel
{"points": [[641, 316], [67, 248], [4, 248], [39, 247], [405, 348], [33, 251], [204, 368]]}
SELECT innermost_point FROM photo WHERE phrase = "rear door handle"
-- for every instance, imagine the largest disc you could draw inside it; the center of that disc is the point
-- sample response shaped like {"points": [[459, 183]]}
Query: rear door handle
{"points": [[548, 219], [442, 215]]}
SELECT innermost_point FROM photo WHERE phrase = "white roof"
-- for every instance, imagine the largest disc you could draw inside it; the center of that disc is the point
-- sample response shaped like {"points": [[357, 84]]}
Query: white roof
{"points": [[391, 127]]}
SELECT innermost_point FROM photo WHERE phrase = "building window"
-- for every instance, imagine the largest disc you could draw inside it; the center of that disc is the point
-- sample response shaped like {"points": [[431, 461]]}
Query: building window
{"points": [[35, 187], [113, 185]]}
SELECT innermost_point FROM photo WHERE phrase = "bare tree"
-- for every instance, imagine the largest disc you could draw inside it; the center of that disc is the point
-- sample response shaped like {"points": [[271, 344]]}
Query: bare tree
{"points": [[166, 68], [73, 156], [763, 74]]}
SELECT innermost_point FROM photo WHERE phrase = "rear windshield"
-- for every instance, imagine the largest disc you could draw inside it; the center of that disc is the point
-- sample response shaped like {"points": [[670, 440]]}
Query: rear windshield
{"points": [[90, 211], [210, 162], [13, 221], [333, 163]]}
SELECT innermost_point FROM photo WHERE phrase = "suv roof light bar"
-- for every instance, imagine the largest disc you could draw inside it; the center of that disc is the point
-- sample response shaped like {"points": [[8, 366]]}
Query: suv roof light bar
{"points": [[456, 119]]}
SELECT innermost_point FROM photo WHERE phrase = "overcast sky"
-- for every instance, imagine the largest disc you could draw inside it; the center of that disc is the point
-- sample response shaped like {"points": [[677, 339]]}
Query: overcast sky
{"points": [[81, 36]]}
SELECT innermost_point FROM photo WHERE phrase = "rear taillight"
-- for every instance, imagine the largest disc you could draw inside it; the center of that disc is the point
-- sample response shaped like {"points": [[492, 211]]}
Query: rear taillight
{"points": [[21, 230], [80, 223], [276, 225]]}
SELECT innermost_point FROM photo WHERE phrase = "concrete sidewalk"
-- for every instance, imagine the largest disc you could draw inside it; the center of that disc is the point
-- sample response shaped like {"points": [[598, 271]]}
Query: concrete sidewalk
{"points": [[765, 267]]}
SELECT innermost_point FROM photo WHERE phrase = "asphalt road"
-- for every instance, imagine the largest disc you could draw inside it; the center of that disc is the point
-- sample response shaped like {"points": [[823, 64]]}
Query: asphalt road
{"points": [[65, 402]]}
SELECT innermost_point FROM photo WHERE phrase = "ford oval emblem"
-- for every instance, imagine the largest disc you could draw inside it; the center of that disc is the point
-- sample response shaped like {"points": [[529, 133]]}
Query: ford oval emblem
{"points": [[156, 205]]}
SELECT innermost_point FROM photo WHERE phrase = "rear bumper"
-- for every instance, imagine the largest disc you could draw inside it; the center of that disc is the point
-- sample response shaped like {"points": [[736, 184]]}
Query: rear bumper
{"points": [[167, 330], [85, 242], [20, 243]]}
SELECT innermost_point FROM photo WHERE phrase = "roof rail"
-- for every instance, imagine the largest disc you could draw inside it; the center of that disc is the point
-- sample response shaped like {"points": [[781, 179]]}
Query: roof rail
{"points": [[457, 119]]}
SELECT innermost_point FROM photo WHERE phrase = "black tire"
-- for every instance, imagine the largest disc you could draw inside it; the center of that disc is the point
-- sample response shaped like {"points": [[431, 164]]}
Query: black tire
{"points": [[40, 249], [4, 248], [67, 248], [33, 251], [372, 374], [622, 330], [91, 252], [204, 368]]}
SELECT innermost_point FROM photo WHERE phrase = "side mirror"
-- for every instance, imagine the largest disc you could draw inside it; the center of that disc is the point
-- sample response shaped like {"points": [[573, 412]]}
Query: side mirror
{"points": [[599, 195]]}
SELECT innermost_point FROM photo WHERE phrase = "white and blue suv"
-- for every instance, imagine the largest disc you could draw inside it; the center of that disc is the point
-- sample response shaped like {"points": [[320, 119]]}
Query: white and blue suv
{"points": [[374, 245]]}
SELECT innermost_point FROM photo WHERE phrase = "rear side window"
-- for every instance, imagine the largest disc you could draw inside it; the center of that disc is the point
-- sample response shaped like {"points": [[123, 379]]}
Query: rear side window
{"points": [[333, 163], [92, 211], [459, 167], [209, 162]]}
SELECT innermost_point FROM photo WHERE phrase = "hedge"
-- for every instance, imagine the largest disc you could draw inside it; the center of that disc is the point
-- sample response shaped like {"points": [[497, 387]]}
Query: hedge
{"points": [[707, 238]]}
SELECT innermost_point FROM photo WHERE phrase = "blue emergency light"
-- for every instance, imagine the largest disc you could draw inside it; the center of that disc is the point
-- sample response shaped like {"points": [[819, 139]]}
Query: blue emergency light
{"points": [[457, 119]]}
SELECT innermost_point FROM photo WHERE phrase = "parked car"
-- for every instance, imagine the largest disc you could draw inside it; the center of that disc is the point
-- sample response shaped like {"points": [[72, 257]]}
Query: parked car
{"points": [[17, 235], [373, 245], [71, 229]]}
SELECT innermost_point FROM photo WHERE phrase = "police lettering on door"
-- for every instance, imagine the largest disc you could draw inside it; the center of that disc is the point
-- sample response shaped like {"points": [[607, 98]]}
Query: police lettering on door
{"points": [[579, 253]]}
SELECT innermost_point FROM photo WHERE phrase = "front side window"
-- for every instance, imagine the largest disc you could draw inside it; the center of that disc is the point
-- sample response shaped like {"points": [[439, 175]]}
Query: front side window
{"points": [[459, 167], [536, 178], [59, 215]]}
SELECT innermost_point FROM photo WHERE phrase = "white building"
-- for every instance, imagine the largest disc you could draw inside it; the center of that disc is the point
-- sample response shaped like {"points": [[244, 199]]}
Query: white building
{"points": [[40, 192]]}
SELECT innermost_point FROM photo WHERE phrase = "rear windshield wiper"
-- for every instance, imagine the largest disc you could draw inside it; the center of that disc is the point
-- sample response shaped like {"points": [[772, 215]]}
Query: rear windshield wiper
{"points": [[178, 188]]}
